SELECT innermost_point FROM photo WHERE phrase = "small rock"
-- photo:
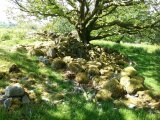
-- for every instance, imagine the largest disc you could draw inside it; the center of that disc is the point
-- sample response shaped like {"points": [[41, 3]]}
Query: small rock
{"points": [[58, 64], [15, 90], [93, 71], [25, 99], [75, 67], [104, 95], [51, 53], [35, 52], [7, 103], [43, 60], [82, 78]]}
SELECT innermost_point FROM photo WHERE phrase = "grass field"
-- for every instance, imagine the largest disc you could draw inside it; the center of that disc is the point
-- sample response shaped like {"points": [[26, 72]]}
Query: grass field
{"points": [[75, 107]]}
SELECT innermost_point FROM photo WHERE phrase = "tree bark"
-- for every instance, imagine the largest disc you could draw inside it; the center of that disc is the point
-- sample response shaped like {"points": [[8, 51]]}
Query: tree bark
{"points": [[84, 34]]}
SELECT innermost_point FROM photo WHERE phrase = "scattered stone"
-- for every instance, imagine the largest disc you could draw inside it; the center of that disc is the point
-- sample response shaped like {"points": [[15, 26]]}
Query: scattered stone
{"points": [[14, 91], [25, 99], [104, 95], [132, 106], [44, 60], [67, 59], [7, 103], [75, 67], [133, 86], [52, 53], [35, 52], [82, 77], [69, 75], [58, 64], [58, 96], [93, 71], [115, 88]]}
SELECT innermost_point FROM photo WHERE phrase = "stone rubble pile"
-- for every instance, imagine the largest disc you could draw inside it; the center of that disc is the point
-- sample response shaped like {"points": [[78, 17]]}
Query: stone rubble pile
{"points": [[104, 70], [14, 95]]}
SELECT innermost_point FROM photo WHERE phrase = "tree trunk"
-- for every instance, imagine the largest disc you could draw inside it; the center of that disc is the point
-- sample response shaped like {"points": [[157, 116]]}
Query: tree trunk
{"points": [[84, 35]]}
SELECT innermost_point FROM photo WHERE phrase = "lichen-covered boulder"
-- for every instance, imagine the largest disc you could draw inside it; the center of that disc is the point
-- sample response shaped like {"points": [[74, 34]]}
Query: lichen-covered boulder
{"points": [[109, 74], [67, 59], [82, 77], [142, 99], [75, 67], [133, 86], [139, 78], [114, 87], [125, 80], [14, 91], [145, 95], [104, 95], [51, 52], [93, 71], [69, 75], [129, 71], [98, 80], [94, 64], [58, 64], [35, 52]]}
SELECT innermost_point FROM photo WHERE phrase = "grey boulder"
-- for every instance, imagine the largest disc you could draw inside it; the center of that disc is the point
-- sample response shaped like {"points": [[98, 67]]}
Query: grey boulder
{"points": [[14, 91]]}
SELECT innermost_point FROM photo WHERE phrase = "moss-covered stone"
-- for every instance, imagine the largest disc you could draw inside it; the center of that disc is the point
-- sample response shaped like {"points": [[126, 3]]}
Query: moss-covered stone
{"points": [[93, 71], [129, 71], [58, 64], [104, 95], [133, 86], [82, 78], [114, 87], [75, 67]]}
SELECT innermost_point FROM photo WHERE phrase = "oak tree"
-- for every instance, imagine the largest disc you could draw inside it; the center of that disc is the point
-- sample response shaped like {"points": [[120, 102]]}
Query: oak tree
{"points": [[95, 19]]}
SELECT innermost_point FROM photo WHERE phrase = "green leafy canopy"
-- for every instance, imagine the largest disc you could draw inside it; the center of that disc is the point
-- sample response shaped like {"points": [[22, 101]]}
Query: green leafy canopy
{"points": [[97, 19]]}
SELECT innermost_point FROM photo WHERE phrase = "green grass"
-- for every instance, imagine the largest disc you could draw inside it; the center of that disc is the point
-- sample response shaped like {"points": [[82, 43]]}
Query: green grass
{"points": [[74, 106]]}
